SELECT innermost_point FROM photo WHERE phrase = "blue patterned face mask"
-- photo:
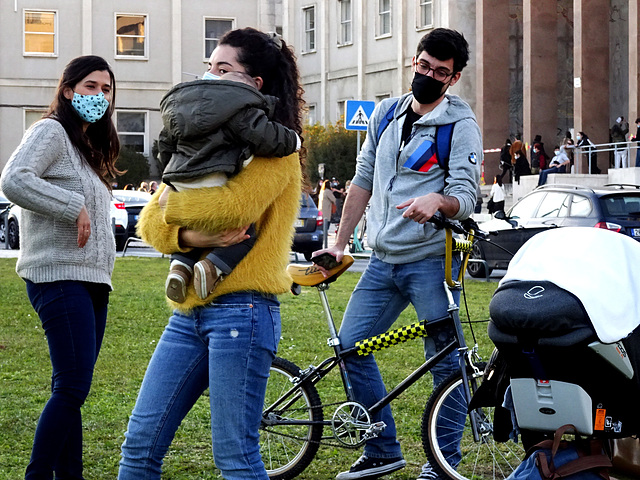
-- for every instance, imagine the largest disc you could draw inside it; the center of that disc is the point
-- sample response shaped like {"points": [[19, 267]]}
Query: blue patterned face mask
{"points": [[210, 76], [91, 108]]}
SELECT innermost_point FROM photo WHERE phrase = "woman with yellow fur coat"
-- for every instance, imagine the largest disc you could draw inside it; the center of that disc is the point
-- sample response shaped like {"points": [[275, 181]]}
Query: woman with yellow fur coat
{"points": [[227, 341]]}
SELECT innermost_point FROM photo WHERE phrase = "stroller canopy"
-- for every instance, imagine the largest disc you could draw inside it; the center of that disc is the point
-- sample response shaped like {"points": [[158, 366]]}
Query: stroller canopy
{"points": [[601, 268]]}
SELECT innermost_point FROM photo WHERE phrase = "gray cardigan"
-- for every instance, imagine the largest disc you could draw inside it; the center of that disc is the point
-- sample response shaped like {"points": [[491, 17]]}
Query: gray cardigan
{"points": [[51, 181], [382, 168]]}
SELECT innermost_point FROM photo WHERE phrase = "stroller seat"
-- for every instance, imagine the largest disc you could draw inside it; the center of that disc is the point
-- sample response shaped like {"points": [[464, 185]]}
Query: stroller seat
{"points": [[560, 368]]}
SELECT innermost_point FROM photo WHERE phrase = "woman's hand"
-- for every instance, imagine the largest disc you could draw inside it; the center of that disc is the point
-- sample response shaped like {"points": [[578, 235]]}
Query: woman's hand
{"points": [[196, 239], [84, 227]]}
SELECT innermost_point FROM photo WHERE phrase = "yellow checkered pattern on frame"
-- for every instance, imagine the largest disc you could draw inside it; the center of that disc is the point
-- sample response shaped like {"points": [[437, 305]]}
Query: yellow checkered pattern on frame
{"points": [[464, 246], [393, 337]]}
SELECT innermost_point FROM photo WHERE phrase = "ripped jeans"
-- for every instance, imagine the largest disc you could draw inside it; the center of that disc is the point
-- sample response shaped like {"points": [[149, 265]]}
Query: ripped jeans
{"points": [[226, 346]]}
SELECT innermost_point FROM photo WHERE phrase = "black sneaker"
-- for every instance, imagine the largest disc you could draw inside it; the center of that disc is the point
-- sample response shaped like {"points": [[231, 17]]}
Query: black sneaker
{"points": [[370, 468]]}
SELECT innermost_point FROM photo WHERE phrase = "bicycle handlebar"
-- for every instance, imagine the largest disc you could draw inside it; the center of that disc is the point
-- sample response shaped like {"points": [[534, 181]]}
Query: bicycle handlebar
{"points": [[469, 229], [465, 227]]}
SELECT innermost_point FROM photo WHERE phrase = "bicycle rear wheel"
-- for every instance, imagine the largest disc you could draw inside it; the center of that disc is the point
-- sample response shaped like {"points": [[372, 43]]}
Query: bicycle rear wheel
{"points": [[446, 414], [286, 448]]}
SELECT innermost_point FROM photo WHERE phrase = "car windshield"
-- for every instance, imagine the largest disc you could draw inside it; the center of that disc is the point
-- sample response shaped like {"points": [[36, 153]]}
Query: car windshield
{"points": [[526, 207], [131, 197], [306, 201], [621, 205]]}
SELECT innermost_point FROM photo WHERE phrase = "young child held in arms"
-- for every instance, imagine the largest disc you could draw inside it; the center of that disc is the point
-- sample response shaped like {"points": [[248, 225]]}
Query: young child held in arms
{"points": [[211, 131]]}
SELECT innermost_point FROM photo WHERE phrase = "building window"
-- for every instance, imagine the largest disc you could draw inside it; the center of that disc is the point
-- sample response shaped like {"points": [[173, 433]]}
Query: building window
{"points": [[131, 33], [425, 14], [342, 112], [346, 24], [40, 29], [31, 116], [214, 28], [382, 96], [309, 15], [132, 130], [311, 115], [384, 17]]}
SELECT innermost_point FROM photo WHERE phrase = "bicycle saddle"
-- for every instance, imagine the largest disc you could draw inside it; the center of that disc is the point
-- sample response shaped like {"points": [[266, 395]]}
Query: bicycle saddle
{"points": [[311, 276]]}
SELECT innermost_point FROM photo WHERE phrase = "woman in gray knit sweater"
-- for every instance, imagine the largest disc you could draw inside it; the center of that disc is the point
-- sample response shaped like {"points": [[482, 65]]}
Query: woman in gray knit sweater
{"points": [[59, 176]]}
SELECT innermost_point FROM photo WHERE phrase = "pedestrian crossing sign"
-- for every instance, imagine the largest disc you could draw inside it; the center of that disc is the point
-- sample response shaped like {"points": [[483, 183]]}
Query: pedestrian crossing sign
{"points": [[357, 114]]}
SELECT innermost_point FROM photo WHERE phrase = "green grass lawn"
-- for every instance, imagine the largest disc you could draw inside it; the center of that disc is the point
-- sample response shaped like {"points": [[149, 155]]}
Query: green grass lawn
{"points": [[137, 315]]}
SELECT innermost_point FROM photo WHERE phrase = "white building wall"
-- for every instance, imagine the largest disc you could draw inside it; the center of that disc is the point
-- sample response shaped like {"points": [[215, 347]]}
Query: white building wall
{"points": [[373, 66], [174, 36]]}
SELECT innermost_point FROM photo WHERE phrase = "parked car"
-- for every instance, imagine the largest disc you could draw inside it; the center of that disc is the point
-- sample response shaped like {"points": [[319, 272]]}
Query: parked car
{"points": [[308, 237], [4, 208], [133, 201], [118, 217], [614, 207]]}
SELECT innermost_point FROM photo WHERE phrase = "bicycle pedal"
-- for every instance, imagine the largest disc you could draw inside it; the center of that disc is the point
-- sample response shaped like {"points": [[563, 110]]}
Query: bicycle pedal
{"points": [[374, 430]]}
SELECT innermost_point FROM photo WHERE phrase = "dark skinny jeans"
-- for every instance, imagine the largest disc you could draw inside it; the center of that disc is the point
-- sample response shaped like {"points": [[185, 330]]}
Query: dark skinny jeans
{"points": [[73, 316]]}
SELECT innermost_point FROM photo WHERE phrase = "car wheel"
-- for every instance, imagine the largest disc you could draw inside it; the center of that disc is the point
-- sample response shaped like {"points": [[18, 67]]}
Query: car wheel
{"points": [[1, 231], [13, 235], [120, 243], [477, 269]]}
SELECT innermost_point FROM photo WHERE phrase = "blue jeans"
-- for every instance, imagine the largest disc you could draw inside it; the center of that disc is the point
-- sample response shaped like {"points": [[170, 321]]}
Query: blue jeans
{"points": [[73, 316], [383, 292], [227, 346], [542, 179]]}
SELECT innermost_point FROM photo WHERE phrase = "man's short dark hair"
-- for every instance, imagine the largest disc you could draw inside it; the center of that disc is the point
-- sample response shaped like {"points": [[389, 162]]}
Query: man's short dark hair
{"points": [[443, 44]]}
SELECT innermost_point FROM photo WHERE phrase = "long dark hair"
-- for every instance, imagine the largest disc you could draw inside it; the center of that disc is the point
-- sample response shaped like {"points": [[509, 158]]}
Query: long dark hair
{"points": [[99, 145], [268, 56]]}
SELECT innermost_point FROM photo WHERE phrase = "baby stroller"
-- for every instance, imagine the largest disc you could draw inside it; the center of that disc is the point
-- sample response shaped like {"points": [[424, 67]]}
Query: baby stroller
{"points": [[565, 320]]}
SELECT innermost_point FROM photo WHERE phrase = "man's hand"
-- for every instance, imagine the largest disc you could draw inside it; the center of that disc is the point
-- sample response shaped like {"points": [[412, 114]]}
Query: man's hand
{"points": [[335, 251], [421, 209]]}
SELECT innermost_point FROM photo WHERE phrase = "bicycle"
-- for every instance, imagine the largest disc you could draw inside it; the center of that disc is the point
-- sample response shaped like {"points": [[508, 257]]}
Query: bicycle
{"points": [[293, 418]]}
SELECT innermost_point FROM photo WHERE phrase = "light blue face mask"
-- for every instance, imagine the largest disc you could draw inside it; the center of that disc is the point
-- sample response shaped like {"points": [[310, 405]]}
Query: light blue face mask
{"points": [[210, 76], [91, 108]]}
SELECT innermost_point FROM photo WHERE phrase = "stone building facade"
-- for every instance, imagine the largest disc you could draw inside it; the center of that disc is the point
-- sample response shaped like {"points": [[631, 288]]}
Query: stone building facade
{"points": [[537, 66]]}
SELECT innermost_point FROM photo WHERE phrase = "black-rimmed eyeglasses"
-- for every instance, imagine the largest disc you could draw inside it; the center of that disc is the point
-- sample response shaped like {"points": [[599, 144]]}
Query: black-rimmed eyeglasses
{"points": [[439, 73]]}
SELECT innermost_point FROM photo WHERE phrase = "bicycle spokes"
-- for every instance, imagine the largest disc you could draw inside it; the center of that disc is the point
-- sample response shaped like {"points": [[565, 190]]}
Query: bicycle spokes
{"points": [[352, 426]]}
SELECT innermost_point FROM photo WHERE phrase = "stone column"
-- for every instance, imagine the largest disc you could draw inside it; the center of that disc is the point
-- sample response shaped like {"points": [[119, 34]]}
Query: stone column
{"points": [[492, 78], [591, 73], [634, 62], [540, 71]]}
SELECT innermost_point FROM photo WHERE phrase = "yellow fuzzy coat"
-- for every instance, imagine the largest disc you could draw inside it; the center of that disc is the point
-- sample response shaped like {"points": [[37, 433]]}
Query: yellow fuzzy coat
{"points": [[266, 192]]}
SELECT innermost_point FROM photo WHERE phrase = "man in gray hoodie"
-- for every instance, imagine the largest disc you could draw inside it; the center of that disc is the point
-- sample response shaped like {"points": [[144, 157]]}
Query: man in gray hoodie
{"points": [[400, 175]]}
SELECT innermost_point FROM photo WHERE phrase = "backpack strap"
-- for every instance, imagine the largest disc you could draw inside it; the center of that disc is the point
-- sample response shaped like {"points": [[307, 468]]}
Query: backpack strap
{"points": [[548, 469], [591, 462], [386, 120], [444, 137]]}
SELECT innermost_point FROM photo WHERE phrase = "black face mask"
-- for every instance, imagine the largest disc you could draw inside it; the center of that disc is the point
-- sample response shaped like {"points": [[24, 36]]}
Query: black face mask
{"points": [[426, 89]]}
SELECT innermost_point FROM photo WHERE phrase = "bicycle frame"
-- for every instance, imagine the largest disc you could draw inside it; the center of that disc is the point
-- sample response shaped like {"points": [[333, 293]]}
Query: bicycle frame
{"points": [[314, 374]]}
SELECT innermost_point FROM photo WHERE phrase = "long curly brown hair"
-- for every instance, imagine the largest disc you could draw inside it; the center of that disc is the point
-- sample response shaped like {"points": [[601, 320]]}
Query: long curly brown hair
{"points": [[269, 57]]}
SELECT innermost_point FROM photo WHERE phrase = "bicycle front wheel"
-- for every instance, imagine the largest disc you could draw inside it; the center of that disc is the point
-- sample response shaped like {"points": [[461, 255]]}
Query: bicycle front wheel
{"points": [[288, 438], [446, 424]]}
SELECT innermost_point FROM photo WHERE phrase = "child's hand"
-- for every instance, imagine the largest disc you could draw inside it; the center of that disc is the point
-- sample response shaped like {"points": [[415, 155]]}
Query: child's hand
{"points": [[162, 201]]}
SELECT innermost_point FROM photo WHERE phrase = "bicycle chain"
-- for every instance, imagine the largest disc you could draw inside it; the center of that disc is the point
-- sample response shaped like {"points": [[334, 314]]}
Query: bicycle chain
{"points": [[319, 442]]}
